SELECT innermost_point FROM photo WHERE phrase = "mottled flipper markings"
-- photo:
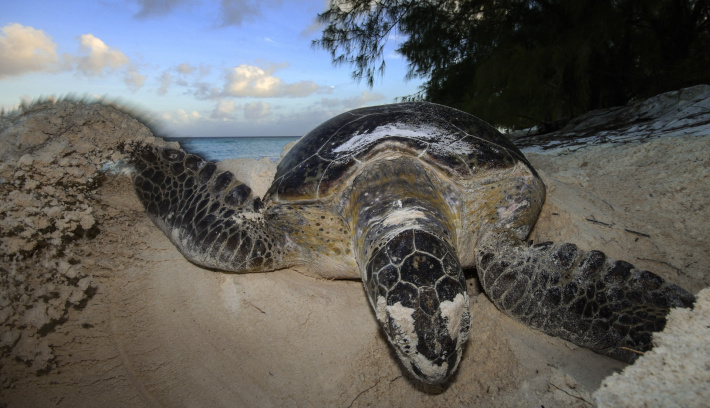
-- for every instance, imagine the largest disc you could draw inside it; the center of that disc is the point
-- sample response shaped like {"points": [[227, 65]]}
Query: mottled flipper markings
{"points": [[211, 217], [602, 304]]}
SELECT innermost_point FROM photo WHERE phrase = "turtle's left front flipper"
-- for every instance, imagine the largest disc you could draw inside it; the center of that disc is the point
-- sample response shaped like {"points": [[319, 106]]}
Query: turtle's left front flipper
{"points": [[210, 216], [584, 297]]}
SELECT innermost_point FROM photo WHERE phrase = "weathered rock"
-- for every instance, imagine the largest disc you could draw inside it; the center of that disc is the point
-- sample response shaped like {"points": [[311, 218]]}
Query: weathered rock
{"points": [[51, 156]]}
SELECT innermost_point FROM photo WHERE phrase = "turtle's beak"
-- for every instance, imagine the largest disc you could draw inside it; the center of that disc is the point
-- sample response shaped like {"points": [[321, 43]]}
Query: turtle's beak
{"points": [[429, 345]]}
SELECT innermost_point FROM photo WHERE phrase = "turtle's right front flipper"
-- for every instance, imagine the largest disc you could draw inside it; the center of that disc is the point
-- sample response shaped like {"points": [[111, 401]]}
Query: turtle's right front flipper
{"points": [[584, 297], [211, 217]]}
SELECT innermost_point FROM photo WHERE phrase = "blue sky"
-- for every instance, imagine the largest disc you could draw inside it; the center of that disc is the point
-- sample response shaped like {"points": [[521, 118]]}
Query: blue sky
{"points": [[200, 67]]}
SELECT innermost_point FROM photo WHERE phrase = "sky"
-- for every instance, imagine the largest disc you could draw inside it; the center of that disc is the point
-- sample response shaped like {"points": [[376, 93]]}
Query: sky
{"points": [[197, 67]]}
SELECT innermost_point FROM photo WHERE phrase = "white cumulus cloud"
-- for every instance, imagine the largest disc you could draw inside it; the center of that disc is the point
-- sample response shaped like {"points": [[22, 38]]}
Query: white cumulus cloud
{"points": [[25, 49], [248, 80], [224, 110], [181, 117], [97, 56]]}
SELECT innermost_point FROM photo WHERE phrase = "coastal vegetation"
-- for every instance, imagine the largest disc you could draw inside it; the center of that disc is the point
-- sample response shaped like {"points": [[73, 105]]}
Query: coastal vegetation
{"points": [[519, 63]]}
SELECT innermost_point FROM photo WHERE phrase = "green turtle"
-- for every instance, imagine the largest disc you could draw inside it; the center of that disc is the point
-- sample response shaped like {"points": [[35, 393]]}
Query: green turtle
{"points": [[404, 196]]}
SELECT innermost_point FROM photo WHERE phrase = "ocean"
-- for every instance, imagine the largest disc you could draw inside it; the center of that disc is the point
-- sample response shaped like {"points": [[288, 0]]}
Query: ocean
{"points": [[221, 148]]}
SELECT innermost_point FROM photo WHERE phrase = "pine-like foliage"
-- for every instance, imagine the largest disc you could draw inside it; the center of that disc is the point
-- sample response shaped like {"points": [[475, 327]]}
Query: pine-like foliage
{"points": [[518, 63]]}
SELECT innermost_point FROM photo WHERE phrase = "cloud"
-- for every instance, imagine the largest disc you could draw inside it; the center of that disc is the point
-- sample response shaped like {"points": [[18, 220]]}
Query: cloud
{"points": [[134, 80], [25, 49], [260, 118], [157, 8], [182, 74], [315, 27], [185, 68], [239, 82], [230, 12], [95, 58], [98, 56], [181, 123], [165, 81], [181, 117], [205, 90], [224, 110], [364, 99], [248, 80], [256, 110], [235, 12]]}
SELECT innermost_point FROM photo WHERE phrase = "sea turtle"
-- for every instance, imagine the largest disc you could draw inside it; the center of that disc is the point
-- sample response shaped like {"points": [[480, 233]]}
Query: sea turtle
{"points": [[403, 196]]}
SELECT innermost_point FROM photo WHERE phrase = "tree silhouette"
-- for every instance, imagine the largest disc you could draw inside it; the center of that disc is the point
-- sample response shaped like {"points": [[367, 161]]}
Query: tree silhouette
{"points": [[517, 63]]}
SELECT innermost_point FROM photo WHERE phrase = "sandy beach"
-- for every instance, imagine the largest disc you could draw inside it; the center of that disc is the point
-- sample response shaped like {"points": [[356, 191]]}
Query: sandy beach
{"points": [[98, 308]]}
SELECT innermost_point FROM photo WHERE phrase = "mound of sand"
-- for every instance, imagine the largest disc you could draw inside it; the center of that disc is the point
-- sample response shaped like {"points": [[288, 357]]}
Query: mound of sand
{"points": [[49, 173], [97, 306], [675, 373]]}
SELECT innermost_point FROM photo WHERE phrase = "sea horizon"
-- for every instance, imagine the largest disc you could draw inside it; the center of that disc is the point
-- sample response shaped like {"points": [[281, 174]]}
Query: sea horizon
{"points": [[223, 137], [218, 148]]}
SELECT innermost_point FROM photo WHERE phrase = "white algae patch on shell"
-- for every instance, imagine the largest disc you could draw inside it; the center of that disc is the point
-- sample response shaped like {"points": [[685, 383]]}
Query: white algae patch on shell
{"points": [[360, 141], [442, 142], [405, 218]]}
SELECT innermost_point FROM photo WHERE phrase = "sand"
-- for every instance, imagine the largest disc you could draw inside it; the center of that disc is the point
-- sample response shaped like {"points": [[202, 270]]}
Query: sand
{"points": [[98, 307]]}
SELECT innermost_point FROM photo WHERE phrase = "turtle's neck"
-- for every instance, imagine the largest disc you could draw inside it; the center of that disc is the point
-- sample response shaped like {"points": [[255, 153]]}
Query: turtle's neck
{"points": [[403, 233], [391, 196]]}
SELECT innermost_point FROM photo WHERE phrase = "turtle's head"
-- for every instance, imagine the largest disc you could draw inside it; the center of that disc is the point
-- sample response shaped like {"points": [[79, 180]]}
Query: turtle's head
{"points": [[429, 346], [420, 299]]}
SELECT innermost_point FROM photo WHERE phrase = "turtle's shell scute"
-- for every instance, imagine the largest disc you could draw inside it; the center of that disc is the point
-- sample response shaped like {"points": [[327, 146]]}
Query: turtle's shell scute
{"points": [[456, 142]]}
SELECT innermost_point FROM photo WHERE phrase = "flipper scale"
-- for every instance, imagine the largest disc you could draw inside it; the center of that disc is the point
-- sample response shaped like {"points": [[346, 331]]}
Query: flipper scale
{"points": [[606, 305], [212, 218]]}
